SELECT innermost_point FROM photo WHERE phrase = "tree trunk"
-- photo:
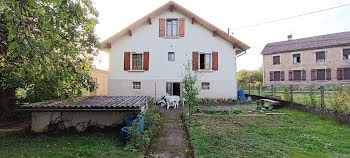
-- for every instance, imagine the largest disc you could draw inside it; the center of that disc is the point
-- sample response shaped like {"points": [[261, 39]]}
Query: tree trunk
{"points": [[4, 103]]}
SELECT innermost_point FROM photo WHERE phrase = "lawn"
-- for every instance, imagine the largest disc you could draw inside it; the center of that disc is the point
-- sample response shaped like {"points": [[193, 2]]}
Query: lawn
{"points": [[297, 134], [19, 144]]}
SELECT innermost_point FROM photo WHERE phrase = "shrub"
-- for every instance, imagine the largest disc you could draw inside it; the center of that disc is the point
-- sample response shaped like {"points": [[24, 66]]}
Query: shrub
{"points": [[340, 99], [310, 99], [286, 93], [152, 126]]}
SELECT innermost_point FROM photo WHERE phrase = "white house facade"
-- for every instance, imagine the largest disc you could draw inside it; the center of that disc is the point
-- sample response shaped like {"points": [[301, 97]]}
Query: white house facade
{"points": [[148, 57]]}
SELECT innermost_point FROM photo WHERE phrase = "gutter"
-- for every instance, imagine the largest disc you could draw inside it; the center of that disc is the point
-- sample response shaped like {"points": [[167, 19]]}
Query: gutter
{"points": [[241, 54]]}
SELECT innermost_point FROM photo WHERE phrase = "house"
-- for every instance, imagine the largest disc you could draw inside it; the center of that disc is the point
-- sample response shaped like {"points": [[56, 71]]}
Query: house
{"points": [[315, 60], [100, 77], [147, 58]]}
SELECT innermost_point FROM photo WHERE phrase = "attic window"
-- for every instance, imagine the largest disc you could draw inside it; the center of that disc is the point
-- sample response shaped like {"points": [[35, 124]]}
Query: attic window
{"points": [[171, 25]]}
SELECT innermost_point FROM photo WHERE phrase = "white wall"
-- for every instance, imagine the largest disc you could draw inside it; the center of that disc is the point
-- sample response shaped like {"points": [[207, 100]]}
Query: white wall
{"points": [[146, 38]]}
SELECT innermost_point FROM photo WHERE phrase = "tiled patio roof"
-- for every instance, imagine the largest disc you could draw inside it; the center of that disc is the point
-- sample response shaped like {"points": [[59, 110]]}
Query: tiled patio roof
{"points": [[92, 102]]}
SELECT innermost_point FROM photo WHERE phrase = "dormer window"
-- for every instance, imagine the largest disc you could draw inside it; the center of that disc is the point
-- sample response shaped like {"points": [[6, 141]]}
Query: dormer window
{"points": [[172, 27]]}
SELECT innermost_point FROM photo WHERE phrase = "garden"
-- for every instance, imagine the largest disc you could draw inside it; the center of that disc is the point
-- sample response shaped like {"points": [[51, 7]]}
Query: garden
{"points": [[273, 133]]}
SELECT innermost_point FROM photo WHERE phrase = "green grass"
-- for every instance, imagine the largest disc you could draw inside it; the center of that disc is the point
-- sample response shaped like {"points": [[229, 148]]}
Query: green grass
{"points": [[297, 134], [18, 144]]}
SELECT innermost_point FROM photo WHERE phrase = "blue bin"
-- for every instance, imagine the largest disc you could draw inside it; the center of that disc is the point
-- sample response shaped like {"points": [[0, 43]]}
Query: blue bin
{"points": [[130, 119], [141, 125], [241, 95]]}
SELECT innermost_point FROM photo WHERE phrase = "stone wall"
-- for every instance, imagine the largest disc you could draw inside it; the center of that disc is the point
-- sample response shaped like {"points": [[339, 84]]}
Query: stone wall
{"points": [[41, 121]]}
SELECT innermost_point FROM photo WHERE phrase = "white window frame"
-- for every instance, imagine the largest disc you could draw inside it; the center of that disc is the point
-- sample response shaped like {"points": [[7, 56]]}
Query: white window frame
{"points": [[210, 63], [169, 54], [204, 87], [134, 86], [131, 63], [342, 54]]}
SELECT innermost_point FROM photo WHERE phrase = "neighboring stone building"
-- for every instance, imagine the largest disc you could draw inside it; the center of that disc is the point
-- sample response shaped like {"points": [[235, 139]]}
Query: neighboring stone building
{"points": [[315, 60], [101, 79]]}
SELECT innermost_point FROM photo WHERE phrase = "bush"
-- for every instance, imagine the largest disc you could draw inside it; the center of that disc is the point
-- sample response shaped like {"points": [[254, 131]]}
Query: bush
{"points": [[340, 99], [286, 93], [152, 126]]}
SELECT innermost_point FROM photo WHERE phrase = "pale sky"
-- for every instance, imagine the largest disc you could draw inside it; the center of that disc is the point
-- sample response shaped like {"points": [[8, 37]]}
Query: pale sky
{"points": [[116, 15]]}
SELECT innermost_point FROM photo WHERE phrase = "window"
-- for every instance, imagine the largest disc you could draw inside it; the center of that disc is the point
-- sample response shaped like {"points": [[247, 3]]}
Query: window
{"points": [[297, 75], [346, 54], [320, 56], [276, 60], [296, 58], [171, 56], [320, 74], [171, 25], [204, 61], [137, 61], [346, 73], [276, 75], [205, 85], [136, 85]]}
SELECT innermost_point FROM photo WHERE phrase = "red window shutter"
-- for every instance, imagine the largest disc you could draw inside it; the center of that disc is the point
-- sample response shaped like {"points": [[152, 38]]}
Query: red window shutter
{"points": [[182, 27], [145, 61], [304, 75], [282, 75], [126, 61], [290, 75], [313, 75], [328, 74], [340, 74], [162, 27], [271, 75], [195, 61], [215, 61]]}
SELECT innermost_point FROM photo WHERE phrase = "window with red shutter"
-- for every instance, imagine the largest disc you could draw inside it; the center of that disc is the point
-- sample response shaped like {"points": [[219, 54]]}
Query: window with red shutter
{"points": [[126, 61], [313, 74], [290, 75], [297, 75], [215, 61], [346, 72], [276, 75], [271, 75], [162, 27], [282, 75], [304, 75], [181, 27], [146, 61], [320, 74], [328, 74], [340, 74], [195, 61]]}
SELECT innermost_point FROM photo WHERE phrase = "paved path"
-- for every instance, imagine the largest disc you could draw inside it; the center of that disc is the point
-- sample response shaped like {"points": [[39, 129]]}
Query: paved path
{"points": [[171, 142]]}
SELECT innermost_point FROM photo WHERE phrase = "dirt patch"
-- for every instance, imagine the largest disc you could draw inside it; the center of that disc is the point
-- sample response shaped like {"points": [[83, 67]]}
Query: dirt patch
{"points": [[171, 142]]}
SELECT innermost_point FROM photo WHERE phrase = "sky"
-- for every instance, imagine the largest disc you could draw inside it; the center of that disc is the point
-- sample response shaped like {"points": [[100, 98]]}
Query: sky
{"points": [[115, 15]]}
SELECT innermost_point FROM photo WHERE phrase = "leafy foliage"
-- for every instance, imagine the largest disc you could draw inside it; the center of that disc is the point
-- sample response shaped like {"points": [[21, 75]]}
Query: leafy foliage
{"points": [[340, 99], [286, 93], [191, 87], [152, 126], [49, 47], [254, 77]]}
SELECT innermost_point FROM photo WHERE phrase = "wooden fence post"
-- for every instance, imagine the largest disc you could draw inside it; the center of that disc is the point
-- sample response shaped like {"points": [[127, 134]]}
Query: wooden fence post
{"points": [[271, 89], [259, 89], [322, 96]]}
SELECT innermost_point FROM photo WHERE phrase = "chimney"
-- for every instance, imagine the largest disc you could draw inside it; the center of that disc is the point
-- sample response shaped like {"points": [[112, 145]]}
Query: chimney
{"points": [[290, 37]]}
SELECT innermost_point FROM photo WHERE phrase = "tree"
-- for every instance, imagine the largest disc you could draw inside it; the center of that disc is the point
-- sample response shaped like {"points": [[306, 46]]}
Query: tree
{"points": [[47, 47], [191, 87], [254, 77]]}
